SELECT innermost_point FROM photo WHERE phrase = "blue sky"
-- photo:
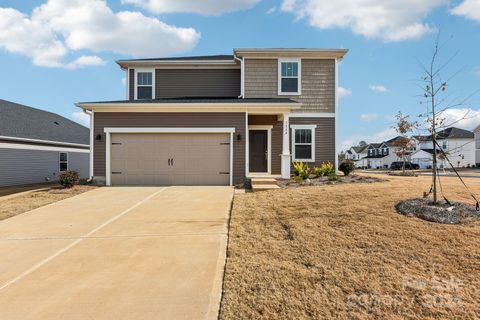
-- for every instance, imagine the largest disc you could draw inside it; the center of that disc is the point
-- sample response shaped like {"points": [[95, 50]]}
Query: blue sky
{"points": [[57, 52]]}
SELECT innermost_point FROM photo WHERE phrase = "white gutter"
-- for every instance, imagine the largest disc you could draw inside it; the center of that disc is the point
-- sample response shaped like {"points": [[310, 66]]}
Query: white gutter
{"points": [[242, 76], [44, 141], [90, 113]]}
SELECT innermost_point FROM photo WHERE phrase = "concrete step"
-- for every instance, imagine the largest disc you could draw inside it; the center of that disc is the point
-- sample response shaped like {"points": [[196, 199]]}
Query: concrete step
{"points": [[261, 187], [264, 181]]}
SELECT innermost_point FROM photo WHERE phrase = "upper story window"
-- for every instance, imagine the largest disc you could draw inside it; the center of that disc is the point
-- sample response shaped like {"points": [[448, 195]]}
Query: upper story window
{"points": [[289, 76], [144, 84], [444, 144]]}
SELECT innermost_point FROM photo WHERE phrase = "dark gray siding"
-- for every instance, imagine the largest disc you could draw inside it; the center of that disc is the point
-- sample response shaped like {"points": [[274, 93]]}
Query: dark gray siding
{"points": [[318, 82], [172, 120], [174, 83], [131, 84], [22, 166]]}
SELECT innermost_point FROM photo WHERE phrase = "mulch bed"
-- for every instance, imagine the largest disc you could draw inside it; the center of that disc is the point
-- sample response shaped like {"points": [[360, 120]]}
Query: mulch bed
{"points": [[322, 181], [457, 213]]}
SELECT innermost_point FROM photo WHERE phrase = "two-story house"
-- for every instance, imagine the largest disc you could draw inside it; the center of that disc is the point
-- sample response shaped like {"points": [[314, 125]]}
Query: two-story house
{"points": [[457, 143], [356, 154], [214, 120]]}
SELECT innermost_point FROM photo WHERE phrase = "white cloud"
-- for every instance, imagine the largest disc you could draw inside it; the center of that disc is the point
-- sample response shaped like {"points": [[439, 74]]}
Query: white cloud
{"points": [[203, 7], [476, 71], [272, 10], [58, 28], [389, 20], [469, 9], [378, 88], [464, 118], [81, 117], [368, 116], [343, 92]]}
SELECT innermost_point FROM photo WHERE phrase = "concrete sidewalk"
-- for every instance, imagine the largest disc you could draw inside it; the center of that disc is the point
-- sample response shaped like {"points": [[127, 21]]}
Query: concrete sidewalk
{"points": [[117, 253]]}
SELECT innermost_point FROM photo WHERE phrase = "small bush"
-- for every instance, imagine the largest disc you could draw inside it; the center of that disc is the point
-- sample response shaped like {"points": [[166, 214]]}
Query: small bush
{"points": [[332, 177], [347, 166], [325, 169], [69, 178], [301, 170]]}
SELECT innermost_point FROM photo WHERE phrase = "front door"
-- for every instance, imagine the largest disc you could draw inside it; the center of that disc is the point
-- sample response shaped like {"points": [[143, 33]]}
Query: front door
{"points": [[258, 140]]}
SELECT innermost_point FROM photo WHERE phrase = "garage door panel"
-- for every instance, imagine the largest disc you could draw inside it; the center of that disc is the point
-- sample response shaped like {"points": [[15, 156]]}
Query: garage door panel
{"points": [[143, 159]]}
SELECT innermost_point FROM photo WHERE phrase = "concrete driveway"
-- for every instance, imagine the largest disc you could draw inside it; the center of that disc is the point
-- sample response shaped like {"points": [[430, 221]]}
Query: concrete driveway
{"points": [[117, 253]]}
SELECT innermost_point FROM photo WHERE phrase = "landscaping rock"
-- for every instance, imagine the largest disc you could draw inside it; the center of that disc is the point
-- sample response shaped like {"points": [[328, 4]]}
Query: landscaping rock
{"points": [[456, 213], [322, 181]]}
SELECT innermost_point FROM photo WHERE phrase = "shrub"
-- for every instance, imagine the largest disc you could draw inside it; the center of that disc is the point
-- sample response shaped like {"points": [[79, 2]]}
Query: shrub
{"points": [[347, 166], [325, 169], [301, 170], [332, 177], [69, 178]]}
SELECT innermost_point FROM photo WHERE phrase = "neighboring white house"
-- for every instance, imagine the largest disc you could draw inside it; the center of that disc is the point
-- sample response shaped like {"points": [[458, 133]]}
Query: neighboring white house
{"points": [[457, 143], [356, 154], [476, 133]]}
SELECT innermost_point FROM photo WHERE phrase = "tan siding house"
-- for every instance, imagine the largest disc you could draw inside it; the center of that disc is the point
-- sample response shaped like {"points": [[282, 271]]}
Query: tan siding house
{"points": [[217, 119]]}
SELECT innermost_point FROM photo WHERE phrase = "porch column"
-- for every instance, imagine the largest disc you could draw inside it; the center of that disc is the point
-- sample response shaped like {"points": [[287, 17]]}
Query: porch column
{"points": [[286, 161]]}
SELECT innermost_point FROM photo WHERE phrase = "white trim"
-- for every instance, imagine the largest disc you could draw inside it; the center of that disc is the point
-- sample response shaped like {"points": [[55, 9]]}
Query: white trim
{"points": [[169, 130], [60, 161], [268, 128], [44, 141], [109, 131], [127, 91], [311, 127], [313, 115], [4, 145], [336, 113], [92, 141], [152, 71], [247, 145], [299, 77], [286, 157], [231, 158]]}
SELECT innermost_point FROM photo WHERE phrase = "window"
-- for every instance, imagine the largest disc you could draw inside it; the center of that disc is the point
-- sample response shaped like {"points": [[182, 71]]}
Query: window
{"points": [[444, 144], [144, 88], [63, 161], [289, 77], [303, 143]]}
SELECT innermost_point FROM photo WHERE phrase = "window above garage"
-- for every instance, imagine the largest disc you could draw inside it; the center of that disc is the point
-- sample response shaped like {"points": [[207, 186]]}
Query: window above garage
{"points": [[144, 84]]}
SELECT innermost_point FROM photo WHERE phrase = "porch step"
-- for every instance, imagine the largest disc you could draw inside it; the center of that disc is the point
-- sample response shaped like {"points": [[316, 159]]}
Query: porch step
{"points": [[261, 187], [259, 181], [259, 184]]}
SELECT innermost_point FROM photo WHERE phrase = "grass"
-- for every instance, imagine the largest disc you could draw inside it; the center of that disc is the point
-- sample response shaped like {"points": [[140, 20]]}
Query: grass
{"points": [[342, 251], [13, 205]]}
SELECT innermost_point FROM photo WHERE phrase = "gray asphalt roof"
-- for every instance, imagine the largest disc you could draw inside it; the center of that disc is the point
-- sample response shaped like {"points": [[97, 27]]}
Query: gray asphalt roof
{"points": [[226, 57], [449, 133], [20, 121], [198, 100]]}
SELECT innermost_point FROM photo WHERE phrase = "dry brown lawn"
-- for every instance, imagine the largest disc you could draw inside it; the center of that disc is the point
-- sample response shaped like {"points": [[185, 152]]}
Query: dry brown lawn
{"points": [[343, 252], [12, 205]]}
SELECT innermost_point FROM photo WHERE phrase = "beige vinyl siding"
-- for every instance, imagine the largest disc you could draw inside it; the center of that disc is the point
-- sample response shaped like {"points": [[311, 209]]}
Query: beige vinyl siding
{"points": [[174, 83], [318, 82], [171, 120]]}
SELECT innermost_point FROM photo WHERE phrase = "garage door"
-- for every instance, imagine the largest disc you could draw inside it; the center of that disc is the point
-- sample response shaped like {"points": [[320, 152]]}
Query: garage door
{"points": [[170, 159]]}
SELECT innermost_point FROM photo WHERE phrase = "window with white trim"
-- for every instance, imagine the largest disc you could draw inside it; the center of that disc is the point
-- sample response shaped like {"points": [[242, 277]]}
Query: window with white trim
{"points": [[289, 76], [303, 143], [63, 161], [144, 85]]}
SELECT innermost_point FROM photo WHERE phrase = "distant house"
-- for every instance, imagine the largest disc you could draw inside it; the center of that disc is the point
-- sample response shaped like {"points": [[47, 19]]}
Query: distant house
{"points": [[356, 153], [476, 133], [36, 145], [458, 144]]}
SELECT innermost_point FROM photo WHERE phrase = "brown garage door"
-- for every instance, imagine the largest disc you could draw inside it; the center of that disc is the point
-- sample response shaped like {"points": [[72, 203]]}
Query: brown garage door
{"points": [[170, 159]]}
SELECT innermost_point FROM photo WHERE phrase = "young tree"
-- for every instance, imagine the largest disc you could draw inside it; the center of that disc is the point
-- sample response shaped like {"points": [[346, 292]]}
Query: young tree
{"points": [[403, 145], [434, 87]]}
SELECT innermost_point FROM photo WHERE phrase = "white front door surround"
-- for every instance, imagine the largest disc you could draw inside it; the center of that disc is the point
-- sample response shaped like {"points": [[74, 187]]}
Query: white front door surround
{"points": [[269, 144], [286, 157]]}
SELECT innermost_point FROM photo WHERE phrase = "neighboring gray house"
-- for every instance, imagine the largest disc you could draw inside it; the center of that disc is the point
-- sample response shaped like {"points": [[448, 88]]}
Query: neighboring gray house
{"points": [[215, 120], [35, 145]]}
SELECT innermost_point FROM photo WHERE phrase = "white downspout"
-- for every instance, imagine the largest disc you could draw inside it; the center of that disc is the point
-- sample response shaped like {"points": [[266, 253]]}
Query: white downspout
{"points": [[90, 168], [242, 77]]}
